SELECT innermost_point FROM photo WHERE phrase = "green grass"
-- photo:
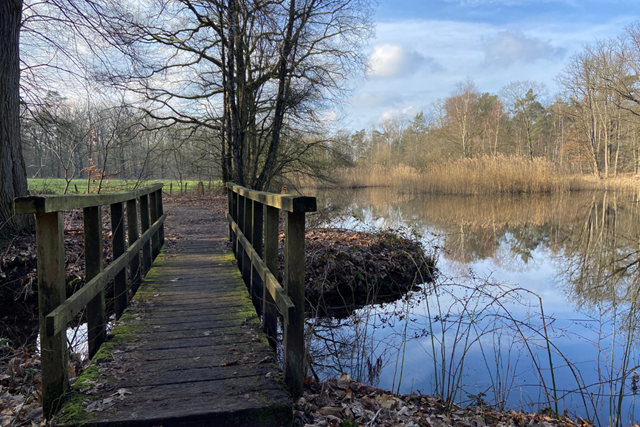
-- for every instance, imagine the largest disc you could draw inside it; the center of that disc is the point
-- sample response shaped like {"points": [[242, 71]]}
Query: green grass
{"points": [[81, 186]]}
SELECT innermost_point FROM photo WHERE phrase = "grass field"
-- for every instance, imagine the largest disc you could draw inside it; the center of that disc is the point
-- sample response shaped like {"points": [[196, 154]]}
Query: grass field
{"points": [[82, 186]]}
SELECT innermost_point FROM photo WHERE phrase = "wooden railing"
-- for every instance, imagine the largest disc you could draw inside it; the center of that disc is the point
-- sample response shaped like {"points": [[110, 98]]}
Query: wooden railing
{"points": [[257, 256], [56, 311]]}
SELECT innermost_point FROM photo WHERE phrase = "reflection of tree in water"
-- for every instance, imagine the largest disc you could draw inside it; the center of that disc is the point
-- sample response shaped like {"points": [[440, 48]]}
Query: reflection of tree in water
{"points": [[602, 255], [595, 237], [345, 345], [593, 240]]}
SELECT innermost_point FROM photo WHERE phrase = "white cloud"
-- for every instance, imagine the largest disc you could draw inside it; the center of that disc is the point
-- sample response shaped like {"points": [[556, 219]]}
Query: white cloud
{"points": [[393, 60], [509, 47], [409, 111]]}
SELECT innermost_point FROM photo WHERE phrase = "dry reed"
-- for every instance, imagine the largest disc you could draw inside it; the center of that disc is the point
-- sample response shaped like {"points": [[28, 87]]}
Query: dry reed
{"points": [[481, 176]]}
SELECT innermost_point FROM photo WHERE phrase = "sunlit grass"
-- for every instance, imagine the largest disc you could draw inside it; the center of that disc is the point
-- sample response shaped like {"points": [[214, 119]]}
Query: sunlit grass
{"points": [[84, 186]]}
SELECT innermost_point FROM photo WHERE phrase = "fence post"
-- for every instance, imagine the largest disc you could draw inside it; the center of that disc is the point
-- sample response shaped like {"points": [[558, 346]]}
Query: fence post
{"points": [[121, 297], [231, 200], [51, 293], [132, 228], [144, 226], [240, 222], [257, 218], [160, 213], [96, 310], [246, 229], [294, 271], [153, 211], [269, 309]]}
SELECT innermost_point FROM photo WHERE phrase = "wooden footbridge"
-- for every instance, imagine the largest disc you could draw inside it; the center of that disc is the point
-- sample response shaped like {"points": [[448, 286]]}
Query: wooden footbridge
{"points": [[194, 336]]}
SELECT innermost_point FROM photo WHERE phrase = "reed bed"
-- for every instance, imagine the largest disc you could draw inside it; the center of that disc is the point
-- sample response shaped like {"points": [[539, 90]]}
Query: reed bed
{"points": [[482, 176]]}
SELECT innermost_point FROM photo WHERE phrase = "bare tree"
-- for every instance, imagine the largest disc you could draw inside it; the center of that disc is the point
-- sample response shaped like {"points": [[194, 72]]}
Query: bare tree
{"points": [[13, 176]]}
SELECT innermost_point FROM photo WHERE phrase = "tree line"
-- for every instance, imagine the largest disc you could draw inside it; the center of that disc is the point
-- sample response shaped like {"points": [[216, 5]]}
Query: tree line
{"points": [[128, 89], [590, 126]]}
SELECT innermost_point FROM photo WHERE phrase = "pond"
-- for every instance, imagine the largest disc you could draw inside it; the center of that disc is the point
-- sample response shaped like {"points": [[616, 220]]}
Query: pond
{"points": [[534, 307]]}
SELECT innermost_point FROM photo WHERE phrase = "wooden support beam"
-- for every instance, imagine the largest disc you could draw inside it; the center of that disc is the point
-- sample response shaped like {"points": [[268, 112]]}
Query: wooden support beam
{"points": [[294, 271], [120, 291], [286, 202], [51, 293], [247, 230], [257, 220], [144, 226], [57, 320], [96, 309], [272, 286], [160, 213], [240, 222], [153, 214], [44, 204], [230, 197], [135, 274], [269, 309]]}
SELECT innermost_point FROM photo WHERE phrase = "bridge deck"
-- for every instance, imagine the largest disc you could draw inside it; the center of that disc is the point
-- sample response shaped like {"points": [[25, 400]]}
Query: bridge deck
{"points": [[188, 351]]}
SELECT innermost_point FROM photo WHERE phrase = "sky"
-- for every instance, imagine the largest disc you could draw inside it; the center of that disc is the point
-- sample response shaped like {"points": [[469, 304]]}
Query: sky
{"points": [[423, 48]]}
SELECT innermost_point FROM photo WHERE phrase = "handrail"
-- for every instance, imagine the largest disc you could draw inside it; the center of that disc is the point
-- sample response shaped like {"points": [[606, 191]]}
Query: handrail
{"points": [[54, 203], [254, 235], [56, 311], [286, 202]]}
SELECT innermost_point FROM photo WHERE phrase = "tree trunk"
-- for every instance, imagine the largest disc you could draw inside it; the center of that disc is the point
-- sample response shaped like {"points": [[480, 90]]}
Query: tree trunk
{"points": [[231, 95], [13, 174], [278, 116]]}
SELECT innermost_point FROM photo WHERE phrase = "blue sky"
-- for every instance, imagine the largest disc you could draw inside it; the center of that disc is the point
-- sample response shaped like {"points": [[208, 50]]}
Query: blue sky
{"points": [[422, 49]]}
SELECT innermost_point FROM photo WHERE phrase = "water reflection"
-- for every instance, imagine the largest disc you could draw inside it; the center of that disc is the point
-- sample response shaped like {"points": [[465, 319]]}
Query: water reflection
{"points": [[535, 308]]}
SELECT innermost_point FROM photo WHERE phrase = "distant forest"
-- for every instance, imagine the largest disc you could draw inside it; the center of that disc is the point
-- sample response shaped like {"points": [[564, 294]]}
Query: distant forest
{"points": [[591, 127]]}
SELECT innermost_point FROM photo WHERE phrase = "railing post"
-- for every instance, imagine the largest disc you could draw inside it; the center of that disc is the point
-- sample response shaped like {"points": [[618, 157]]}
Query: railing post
{"points": [[294, 271], [121, 296], [160, 213], [232, 206], [96, 311], [132, 227], [269, 309], [240, 222], [153, 211], [51, 293], [247, 230], [257, 218], [144, 226]]}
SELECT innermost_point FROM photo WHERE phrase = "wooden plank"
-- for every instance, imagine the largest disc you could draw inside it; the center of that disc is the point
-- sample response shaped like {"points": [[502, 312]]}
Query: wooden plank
{"points": [[287, 202], [180, 367], [286, 307], [153, 215], [132, 227], [240, 223], [43, 204], [58, 319], [144, 226], [269, 308], [160, 213], [257, 219], [294, 271], [120, 292], [51, 293], [96, 308], [247, 230]]}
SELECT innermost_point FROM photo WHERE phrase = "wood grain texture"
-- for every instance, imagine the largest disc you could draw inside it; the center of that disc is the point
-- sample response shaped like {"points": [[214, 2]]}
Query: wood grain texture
{"points": [[198, 356]]}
